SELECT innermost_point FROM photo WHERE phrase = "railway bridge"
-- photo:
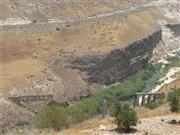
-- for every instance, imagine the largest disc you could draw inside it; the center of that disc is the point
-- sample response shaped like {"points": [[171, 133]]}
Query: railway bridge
{"points": [[31, 102]]}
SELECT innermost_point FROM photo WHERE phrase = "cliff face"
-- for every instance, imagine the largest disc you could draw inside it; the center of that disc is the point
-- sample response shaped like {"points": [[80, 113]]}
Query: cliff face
{"points": [[118, 64]]}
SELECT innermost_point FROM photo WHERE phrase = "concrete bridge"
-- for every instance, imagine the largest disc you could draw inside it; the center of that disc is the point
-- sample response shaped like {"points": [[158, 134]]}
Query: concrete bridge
{"points": [[140, 99]]}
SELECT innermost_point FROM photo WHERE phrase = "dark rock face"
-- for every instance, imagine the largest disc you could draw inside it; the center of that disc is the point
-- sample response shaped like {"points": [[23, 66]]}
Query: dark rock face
{"points": [[118, 64], [175, 28]]}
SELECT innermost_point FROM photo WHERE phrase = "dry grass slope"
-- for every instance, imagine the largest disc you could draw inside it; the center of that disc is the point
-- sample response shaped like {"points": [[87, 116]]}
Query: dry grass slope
{"points": [[34, 45]]}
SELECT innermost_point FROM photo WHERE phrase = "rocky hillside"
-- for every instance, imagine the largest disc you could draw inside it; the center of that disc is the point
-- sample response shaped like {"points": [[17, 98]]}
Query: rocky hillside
{"points": [[66, 50], [119, 63]]}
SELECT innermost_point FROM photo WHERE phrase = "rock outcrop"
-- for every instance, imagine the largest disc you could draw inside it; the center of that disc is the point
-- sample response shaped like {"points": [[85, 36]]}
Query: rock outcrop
{"points": [[120, 63], [175, 28], [169, 44]]}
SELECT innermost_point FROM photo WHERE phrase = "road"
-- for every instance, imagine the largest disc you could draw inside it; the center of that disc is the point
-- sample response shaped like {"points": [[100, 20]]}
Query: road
{"points": [[18, 23]]}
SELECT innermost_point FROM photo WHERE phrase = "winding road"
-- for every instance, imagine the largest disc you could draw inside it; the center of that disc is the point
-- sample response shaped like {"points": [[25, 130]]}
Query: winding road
{"points": [[19, 22]]}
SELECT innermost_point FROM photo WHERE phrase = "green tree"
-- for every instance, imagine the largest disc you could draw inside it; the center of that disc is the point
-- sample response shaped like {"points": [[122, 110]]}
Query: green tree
{"points": [[174, 104], [125, 117], [174, 99]]}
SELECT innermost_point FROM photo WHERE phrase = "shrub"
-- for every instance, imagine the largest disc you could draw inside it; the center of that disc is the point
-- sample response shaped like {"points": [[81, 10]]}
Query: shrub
{"points": [[174, 99], [152, 105], [113, 107], [82, 111], [162, 99], [57, 29], [174, 104], [125, 117], [147, 74], [34, 21], [176, 92], [52, 116]]}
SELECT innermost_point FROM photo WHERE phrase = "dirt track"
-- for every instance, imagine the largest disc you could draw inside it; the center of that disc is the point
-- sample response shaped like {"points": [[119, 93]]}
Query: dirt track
{"points": [[66, 22]]}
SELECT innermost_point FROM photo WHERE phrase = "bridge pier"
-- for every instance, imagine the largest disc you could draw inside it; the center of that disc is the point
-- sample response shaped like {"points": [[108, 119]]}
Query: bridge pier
{"points": [[140, 99], [143, 100]]}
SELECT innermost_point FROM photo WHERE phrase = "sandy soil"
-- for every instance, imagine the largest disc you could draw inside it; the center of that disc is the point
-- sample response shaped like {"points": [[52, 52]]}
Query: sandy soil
{"points": [[155, 125]]}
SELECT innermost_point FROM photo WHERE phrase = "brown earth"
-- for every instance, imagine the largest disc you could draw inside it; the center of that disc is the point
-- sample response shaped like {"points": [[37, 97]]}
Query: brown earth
{"points": [[91, 36], [38, 48], [59, 8], [18, 71]]}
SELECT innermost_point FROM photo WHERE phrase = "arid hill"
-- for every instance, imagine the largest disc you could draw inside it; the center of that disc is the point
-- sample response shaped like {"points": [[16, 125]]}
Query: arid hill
{"points": [[53, 46]]}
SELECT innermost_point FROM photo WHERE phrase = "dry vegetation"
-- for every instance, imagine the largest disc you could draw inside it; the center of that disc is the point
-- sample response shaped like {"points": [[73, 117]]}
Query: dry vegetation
{"points": [[106, 126], [21, 72], [28, 52], [35, 45], [97, 36], [41, 10]]}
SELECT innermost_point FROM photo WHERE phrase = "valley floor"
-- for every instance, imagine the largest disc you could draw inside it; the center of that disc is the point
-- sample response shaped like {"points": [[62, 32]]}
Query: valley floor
{"points": [[153, 122], [154, 126]]}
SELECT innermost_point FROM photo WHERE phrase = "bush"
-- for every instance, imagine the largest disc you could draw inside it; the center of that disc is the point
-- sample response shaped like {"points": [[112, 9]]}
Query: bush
{"points": [[162, 99], [152, 105], [125, 117], [174, 104], [82, 111], [114, 107], [176, 92], [148, 74], [173, 121], [52, 116], [174, 99]]}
